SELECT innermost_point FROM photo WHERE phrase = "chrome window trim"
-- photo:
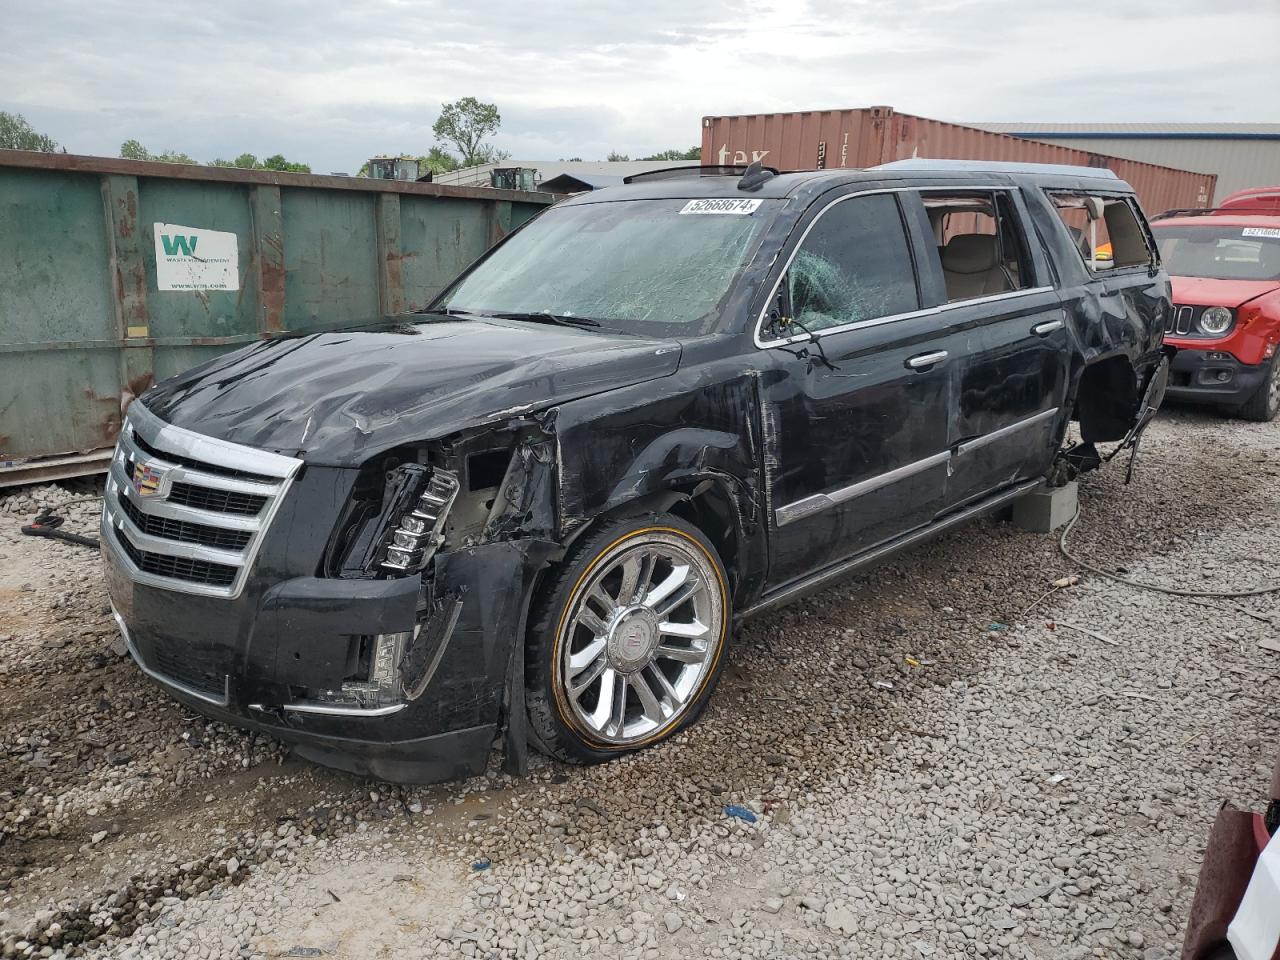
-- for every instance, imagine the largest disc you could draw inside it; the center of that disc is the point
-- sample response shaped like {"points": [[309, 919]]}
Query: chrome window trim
{"points": [[184, 443], [757, 333], [165, 680], [818, 502]]}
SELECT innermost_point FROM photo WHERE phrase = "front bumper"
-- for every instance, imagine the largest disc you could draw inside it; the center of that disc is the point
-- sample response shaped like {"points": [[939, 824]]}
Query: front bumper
{"points": [[1213, 376], [251, 661]]}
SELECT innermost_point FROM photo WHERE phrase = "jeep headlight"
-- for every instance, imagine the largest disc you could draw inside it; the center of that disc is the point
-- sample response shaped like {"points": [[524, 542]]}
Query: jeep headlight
{"points": [[1215, 320]]}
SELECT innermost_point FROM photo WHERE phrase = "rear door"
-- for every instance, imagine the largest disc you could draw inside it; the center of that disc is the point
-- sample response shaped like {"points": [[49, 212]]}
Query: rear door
{"points": [[1115, 294], [1010, 354]]}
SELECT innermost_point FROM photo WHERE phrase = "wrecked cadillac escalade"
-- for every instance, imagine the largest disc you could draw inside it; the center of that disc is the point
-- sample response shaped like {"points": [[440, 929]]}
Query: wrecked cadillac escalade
{"points": [[536, 509]]}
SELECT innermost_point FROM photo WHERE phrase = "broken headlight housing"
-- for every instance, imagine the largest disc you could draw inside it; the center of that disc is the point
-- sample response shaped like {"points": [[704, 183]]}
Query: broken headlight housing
{"points": [[1215, 320], [422, 497]]}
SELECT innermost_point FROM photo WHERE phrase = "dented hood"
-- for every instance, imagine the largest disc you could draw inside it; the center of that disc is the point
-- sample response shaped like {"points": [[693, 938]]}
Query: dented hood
{"points": [[1210, 292], [338, 398]]}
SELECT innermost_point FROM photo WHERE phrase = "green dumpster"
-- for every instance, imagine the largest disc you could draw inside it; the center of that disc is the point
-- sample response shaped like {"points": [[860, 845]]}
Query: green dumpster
{"points": [[117, 273]]}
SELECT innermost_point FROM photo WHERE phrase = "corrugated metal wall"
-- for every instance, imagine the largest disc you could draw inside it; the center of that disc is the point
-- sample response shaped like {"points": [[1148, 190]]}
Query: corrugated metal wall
{"points": [[1238, 163], [873, 135]]}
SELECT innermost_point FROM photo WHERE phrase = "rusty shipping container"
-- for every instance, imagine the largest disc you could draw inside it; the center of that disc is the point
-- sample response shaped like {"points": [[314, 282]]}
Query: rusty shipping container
{"points": [[867, 137], [117, 273]]}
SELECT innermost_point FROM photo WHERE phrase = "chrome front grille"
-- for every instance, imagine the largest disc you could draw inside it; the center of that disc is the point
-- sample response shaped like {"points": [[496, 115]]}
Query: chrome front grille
{"points": [[188, 512]]}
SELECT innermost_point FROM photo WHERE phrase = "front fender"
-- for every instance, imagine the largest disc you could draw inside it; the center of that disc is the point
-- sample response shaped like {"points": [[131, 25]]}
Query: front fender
{"points": [[637, 447]]}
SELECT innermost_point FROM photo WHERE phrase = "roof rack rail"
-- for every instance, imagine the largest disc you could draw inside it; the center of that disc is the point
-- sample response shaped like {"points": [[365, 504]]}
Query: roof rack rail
{"points": [[677, 173], [1234, 210], [998, 166]]}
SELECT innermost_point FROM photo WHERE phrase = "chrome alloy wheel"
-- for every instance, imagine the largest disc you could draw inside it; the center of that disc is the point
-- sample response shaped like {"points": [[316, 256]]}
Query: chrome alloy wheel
{"points": [[642, 634]]}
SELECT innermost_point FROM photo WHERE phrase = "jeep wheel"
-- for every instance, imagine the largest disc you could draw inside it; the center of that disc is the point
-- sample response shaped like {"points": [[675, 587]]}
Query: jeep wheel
{"points": [[1265, 402], [626, 643]]}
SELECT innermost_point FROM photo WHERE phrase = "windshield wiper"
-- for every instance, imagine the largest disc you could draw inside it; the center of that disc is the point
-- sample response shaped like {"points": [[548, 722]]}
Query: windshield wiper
{"points": [[444, 312], [544, 316]]}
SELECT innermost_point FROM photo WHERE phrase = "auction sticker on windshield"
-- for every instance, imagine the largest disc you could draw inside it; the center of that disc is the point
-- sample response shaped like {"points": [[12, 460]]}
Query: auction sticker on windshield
{"points": [[722, 205], [1248, 231]]}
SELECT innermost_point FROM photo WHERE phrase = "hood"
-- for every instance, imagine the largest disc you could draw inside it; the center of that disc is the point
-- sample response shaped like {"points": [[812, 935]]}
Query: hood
{"points": [[338, 398], [1208, 292]]}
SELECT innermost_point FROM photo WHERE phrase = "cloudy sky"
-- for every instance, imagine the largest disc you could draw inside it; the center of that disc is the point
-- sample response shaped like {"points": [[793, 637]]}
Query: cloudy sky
{"points": [[332, 82]]}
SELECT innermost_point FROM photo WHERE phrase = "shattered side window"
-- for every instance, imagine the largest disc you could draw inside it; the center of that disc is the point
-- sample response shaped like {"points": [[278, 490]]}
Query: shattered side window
{"points": [[1115, 239], [854, 265]]}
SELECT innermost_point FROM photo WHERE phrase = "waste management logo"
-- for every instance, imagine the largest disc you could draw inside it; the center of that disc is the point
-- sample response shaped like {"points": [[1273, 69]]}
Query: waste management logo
{"points": [[192, 258]]}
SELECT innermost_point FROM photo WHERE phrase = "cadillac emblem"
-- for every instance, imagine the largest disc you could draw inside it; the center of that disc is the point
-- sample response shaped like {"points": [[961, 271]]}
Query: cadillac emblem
{"points": [[146, 479]]}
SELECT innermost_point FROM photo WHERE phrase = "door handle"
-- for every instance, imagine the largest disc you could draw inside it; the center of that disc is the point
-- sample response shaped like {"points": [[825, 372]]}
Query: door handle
{"points": [[922, 361], [1046, 328]]}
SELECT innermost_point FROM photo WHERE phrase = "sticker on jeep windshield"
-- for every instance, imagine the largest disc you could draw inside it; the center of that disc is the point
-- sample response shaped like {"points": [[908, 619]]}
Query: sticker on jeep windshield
{"points": [[1273, 232], [722, 205]]}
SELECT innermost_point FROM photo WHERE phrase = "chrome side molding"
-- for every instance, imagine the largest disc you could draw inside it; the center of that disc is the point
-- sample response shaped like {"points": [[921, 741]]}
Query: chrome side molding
{"points": [[799, 509]]}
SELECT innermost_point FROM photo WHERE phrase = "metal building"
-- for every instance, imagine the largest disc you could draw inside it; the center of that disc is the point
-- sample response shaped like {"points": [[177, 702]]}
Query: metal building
{"points": [[1241, 154], [480, 175]]}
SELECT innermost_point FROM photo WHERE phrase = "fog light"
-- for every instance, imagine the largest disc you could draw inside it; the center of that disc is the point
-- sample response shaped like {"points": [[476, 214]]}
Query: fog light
{"points": [[1223, 376], [399, 558], [414, 525], [383, 684], [1217, 355], [386, 660], [404, 539]]}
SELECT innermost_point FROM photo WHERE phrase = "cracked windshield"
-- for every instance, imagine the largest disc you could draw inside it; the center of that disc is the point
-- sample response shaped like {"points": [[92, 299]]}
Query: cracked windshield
{"points": [[637, 266]]}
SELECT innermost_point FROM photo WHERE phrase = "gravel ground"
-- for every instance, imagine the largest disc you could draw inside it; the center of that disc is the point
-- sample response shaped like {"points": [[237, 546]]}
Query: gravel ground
{"points": [[931, 760]]}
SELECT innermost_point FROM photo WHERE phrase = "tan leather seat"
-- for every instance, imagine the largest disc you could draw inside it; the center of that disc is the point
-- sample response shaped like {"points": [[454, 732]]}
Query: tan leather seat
{"points": [[971, 266]]}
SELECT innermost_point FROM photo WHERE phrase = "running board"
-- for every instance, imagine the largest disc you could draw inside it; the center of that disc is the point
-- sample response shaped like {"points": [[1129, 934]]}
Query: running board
{"points": [[816, 581]]}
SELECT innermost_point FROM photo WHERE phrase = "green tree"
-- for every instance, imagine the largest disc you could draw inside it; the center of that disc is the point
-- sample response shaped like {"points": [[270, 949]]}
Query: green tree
{"points": [[17, 134], [278, 162], [133, 150], [615, 156], [464, 124], [438, 161], [693, 153], [247, 161]]}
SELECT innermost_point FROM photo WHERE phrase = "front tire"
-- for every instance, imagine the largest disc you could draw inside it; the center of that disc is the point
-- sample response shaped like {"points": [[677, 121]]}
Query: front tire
{"points": [[627, 639], [1264, 405]]}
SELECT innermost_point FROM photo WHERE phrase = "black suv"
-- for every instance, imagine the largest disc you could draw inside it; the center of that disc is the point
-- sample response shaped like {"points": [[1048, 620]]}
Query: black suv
{"points": [[653, 411]]}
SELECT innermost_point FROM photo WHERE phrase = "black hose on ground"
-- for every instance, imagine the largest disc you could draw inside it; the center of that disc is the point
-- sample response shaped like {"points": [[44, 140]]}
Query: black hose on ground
{"points": [[1174, 591], [47, 524]]}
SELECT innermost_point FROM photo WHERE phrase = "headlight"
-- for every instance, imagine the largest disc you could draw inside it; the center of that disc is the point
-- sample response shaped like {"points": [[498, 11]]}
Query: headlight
{"points": [[1215, 320], [419, 529]]}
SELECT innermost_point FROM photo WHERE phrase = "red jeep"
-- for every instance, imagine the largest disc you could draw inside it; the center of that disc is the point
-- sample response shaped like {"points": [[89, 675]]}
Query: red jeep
{"points": [[1225, 267]]}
